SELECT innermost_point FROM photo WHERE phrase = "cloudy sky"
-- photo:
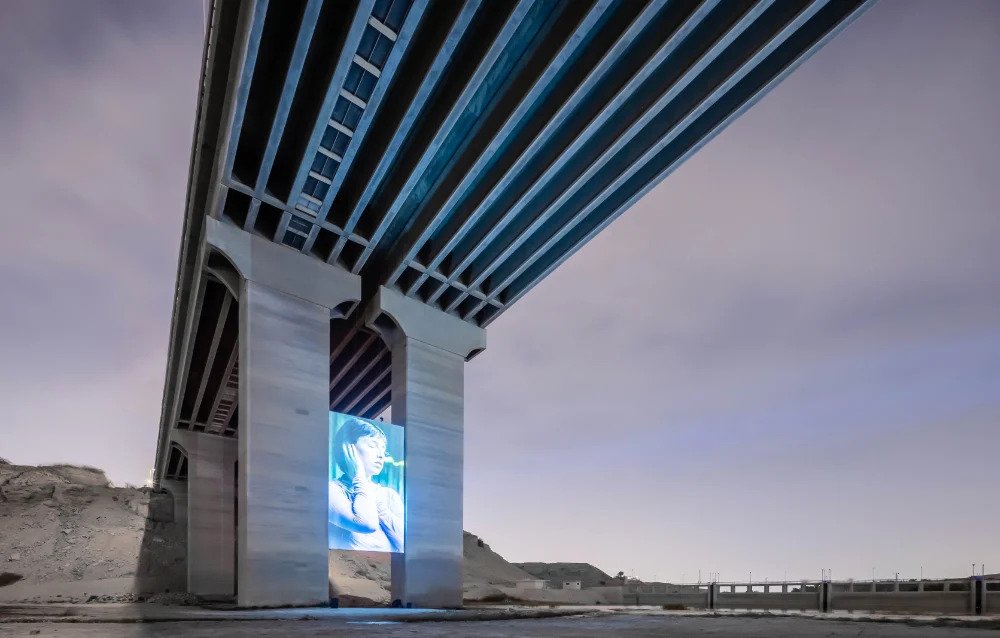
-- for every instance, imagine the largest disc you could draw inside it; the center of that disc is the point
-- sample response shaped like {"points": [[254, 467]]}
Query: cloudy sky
{"points": [[785, 358]]}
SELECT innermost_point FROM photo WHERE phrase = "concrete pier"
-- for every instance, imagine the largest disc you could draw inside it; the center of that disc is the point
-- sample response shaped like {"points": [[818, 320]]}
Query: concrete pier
{"points": [[429, 349], [286, 301], [211, 515], [284, 347]]}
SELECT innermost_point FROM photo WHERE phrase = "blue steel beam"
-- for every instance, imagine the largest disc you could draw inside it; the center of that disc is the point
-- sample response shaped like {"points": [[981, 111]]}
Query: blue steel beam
{"points": [[531, 277], [379, 404], [242, 93], [478, 78], [378, 385], [427, 84], [379, 358], [302, 41], [385, 78], [498, 46], [457, 229], [495, 230], [510, 127], [361, 13], [637, 126], [371, 340]]}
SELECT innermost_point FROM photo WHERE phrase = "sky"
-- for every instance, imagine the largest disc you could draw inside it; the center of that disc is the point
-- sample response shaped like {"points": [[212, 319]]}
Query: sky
{"points": [[785, 358]]}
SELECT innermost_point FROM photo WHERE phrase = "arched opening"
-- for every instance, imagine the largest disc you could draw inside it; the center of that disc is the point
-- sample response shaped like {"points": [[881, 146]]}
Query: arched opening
{"points": [[209, 398], [222, 269], [177, 463]]}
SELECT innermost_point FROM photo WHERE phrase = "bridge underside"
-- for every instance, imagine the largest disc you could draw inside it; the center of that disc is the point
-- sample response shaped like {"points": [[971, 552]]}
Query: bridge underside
{"points": [[448, 154]]}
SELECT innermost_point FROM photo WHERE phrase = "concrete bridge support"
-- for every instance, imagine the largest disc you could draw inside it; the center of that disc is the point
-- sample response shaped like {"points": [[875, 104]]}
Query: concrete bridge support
{"points": [[429, 350], [286, 302], [284, 404], [211, 501]]}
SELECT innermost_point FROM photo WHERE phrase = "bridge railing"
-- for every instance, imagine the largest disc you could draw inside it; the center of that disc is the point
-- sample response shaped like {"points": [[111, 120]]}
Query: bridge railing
{"points": [[957, 596]]}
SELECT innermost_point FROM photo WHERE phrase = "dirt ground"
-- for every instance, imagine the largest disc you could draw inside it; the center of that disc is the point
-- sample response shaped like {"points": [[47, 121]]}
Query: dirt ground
{"points": [[620, 625], [68, 535]]}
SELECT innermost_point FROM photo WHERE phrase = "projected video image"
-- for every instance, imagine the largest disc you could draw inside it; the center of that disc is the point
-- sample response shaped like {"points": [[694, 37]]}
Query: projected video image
{"points": [[366, 485]]}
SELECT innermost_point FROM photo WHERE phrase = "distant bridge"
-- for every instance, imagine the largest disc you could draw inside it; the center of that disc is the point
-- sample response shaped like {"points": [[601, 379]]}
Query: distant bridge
{"points": [[414, 168], [978, 595]]}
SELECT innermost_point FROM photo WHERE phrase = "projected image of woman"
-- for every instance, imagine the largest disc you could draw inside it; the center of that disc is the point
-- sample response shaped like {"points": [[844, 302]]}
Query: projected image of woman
{"points": [[363, 514]]}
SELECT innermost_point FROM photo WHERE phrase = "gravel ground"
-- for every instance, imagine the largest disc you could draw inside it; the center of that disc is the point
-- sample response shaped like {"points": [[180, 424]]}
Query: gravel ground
{"points": [[617, 625]]}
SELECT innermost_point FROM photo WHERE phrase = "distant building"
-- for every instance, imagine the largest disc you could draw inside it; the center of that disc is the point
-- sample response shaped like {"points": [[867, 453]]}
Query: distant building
{"points": [[571, 584], [532, 583]]}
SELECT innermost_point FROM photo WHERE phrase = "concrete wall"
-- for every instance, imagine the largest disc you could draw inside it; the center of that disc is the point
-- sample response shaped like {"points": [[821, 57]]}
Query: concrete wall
{"points": [[772, 601], [692, 600], [991, 597], [940, 602]]}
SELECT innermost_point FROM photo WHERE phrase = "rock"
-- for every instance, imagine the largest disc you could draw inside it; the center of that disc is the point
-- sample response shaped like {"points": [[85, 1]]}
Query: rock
{"points": [[15, 556], [6, 578]]}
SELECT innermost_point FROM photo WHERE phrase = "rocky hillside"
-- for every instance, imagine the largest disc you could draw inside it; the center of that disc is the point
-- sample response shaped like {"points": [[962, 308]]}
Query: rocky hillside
{"points": [[557, 573], [66, 534]]}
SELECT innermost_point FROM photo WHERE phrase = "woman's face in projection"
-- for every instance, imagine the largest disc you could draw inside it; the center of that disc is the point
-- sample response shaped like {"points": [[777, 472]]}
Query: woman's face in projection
{"points": [[371, 453]]}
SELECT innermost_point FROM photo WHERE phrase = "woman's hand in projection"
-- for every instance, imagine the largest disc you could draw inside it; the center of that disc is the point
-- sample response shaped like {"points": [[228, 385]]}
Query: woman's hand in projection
{"points": [[355, 469]]}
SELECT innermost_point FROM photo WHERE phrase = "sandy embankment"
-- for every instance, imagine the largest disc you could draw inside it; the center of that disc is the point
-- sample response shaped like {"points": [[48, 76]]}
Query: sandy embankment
{"points": [[68, 535]]}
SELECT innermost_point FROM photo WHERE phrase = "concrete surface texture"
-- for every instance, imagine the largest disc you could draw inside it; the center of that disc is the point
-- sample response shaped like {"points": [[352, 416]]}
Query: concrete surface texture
{"points": [[283, 461], [478, 623]]}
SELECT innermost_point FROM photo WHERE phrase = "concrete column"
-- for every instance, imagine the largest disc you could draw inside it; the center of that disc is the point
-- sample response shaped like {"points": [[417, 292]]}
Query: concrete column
{"points": [[284, 405], [211, 515], [429, 349], [286, 302], [152, 574]]}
